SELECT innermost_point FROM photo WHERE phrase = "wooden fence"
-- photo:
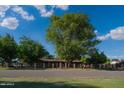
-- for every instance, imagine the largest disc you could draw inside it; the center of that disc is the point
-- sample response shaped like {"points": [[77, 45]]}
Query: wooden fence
{"points": [[64, 65]]}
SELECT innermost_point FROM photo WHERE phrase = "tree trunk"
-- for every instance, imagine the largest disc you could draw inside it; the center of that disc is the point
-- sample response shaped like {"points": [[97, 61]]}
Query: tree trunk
{"points": [[52, 65], [74, 65], [60, 65], [8, 63], [35, 65], [65, 64], [43, 65], [2, 64]]}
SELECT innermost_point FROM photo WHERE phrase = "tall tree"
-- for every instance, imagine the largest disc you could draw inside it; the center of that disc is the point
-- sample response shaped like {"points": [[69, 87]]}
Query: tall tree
{"points": [[31, 51], [97, 57], [72, 34], [8, 49]]}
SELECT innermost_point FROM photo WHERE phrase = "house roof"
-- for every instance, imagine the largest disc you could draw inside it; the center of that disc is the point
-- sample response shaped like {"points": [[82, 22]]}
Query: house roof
{"points": [[57, 60]]}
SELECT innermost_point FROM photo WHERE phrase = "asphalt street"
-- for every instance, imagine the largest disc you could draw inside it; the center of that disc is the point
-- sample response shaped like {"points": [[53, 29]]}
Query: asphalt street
{"points": [[60, 73]]}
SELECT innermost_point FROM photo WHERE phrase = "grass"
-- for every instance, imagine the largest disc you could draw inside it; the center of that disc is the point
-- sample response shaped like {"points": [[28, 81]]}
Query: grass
{"points": [[62, 82], [5, 68]]}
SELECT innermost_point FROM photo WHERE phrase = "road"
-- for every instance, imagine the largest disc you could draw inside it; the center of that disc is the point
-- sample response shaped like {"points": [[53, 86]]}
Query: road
{"points": [[60, 73]]}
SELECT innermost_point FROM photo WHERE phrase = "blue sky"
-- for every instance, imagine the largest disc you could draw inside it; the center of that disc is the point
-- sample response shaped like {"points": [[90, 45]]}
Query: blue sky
{"points": [[32, 21]]}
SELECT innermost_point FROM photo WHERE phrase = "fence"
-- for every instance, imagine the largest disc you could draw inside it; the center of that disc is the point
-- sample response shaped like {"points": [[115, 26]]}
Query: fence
{"points": [[75, 64], [118, 66]]}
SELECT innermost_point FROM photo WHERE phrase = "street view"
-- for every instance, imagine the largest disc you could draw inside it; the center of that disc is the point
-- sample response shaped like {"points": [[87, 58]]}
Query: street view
{"points": [[61, 46]]}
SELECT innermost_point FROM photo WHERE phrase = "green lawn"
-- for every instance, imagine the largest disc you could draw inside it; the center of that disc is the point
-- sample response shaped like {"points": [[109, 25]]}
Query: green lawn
{"points": [[62, 82]]}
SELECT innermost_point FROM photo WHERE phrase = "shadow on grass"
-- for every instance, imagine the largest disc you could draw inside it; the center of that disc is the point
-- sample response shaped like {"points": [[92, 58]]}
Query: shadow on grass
{"points": [[25, 84]]}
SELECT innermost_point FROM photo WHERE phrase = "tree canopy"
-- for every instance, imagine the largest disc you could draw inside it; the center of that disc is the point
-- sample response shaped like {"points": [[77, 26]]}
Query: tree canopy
{"points": [[27, 50], [30, 51], [8, 48], [97, 57], [72, 35]]}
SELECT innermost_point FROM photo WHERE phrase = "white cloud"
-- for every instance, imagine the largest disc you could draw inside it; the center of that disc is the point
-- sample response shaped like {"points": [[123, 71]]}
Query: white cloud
{"points": [[118, 57], [116, 34], [104, 37], [96, 31], [10, 23], [47, 13], [23, 13], [3, 9], [63, 7], [43, 11]]}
